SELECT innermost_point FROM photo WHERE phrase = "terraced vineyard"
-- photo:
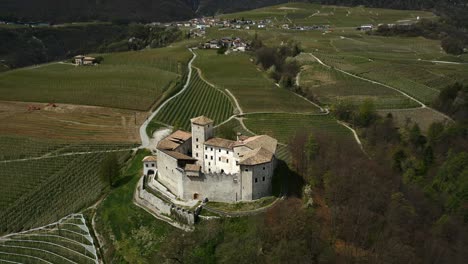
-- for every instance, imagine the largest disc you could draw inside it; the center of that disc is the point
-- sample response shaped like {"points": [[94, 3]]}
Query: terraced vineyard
{"points": [[66, 241], [15, 147], [283, 153], [422, 80], [285, 126], [37, 192], [199, 99], [330, 86], [313, 14], [252, 88]]}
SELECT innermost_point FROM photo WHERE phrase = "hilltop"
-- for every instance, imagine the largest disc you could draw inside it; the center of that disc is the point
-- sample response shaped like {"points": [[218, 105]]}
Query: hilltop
{"points": [[56, 11]]}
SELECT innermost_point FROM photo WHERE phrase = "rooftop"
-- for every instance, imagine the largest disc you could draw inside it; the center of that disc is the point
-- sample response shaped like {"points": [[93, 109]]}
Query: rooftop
{"points": [[220, 143], [173, 141], [201, 120], [256, 157], [263, 141], [150, 159], [178, 156]]}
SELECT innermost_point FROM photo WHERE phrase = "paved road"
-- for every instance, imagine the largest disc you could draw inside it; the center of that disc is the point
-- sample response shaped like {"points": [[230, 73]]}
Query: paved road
{"points": [[145, 140]]}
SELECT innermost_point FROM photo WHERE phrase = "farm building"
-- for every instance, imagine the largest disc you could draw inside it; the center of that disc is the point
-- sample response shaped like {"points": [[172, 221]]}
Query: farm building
{"points": [[83, 60], [197, 166], [366, 27]]}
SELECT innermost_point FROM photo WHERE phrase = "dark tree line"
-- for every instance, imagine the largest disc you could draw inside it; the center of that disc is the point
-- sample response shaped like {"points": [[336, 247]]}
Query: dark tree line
{"points": [[278, 62], [25, 46], [453, 100], [287, 233], [59, 11]]}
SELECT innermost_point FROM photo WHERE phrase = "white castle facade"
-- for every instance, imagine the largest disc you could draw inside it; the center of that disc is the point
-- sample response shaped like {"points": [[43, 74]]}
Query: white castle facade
{"points": [[197, 165]]}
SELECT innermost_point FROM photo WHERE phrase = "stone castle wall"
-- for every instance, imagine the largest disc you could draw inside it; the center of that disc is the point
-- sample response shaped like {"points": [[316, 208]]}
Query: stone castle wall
{"points": [[214, 186]]}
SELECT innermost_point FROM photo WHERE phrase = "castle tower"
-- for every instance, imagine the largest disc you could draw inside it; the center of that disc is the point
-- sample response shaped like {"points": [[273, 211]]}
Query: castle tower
{"points": [[202, 130]]}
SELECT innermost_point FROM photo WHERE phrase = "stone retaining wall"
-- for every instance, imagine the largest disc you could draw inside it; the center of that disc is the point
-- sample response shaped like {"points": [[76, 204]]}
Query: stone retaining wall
{"points": [[180, 214]]}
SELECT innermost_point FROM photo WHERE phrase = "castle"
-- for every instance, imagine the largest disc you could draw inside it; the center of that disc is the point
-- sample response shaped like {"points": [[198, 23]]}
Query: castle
{"points": [[197, 165]]}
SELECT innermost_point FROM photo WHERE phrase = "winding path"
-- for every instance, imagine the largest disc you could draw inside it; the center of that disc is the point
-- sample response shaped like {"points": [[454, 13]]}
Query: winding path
{"points": [[422, 105], [145, 140]]}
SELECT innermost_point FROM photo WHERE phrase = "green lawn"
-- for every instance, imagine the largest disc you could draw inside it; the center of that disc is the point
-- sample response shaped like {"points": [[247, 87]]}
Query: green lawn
{"points": [[285, 126], [132, 234], [243, 206], [254, 91], [129, 80]]}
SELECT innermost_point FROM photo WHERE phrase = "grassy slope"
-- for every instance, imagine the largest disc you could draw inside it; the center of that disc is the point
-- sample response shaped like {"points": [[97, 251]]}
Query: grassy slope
{"points": [[391, 60], [332, 15], [330, 86], [254, 91], [131, 80], [134, 233]]}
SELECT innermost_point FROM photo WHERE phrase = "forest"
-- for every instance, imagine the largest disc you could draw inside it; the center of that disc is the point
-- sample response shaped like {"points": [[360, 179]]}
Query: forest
{"points": [[56, 11], [29, 46]]}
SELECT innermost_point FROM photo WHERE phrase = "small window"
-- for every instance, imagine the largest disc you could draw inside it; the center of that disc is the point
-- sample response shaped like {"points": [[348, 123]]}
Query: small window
{"points": [[211, 157], [256, 180], [196, 146], [246, 169], [196, 154], [209, 170], [263, 168], [211, 149], [206, 156], [196, 139], [227, 161], [209, 163], [146, 165], [206, 148], [227, 151], [222, 171], [237, 162], [219, 150], [263, 178], [219, 159], [152, 165]]}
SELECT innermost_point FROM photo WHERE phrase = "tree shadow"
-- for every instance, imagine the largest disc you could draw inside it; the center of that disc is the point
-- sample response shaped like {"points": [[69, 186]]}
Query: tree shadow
{"points": [[122, 181], [287, 182]]}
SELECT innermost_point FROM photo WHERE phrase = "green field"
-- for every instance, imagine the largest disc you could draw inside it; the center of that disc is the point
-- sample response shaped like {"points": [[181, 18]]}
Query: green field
{"points": [[284, 126], [129, 80], [37, 192], [254, 91], [330, 86], [314, 14], [199, 99], [66, 241], [400, 62]]}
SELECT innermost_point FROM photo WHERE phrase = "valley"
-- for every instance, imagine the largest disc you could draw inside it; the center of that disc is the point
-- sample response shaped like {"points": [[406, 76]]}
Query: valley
{"points": [[61, 124]]}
